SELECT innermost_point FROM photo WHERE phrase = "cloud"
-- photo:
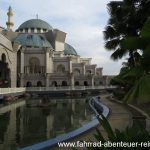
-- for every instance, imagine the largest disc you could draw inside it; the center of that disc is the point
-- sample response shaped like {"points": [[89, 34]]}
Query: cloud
{"points": [[82, 20]]}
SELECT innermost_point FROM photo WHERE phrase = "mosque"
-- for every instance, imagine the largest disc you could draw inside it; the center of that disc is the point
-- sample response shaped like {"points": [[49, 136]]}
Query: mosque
{"points": [[36, 54]]}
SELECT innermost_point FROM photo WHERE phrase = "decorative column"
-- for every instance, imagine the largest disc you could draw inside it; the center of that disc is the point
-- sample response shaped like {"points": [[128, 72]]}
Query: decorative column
{"points": [[22, 68], [22, 61], [70, 64], [83, 68], [49, 60], [28, 70], [47, 79], [48, 64], [72, 79], [47, 50], [92, 80]]}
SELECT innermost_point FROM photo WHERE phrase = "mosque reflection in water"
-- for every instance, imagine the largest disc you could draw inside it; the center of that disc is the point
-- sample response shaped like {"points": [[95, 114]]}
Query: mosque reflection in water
{"points": [[31, 123]]}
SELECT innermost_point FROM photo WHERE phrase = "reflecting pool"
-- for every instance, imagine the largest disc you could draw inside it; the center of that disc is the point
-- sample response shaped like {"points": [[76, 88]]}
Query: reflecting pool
{"points": [[39, 119]]}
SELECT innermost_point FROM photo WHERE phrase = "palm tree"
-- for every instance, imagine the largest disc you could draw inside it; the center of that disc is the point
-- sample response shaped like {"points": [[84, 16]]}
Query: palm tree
{"points": [[139, 93], [126, 19]]}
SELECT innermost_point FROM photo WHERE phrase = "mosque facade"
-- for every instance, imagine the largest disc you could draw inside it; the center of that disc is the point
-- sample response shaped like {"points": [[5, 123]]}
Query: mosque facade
{"points": [[36, 54]]}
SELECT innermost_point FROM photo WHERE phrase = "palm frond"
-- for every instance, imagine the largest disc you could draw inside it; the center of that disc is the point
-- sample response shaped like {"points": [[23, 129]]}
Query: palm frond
{"points": [[118, 54], [112, 44], [109, 32]]}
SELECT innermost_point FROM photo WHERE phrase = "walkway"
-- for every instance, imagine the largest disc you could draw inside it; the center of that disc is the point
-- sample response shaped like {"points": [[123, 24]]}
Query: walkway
{"points": [[119, 118]]}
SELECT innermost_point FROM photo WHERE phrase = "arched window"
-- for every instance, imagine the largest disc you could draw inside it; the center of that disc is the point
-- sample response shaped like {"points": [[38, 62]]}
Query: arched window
{"points": [[38, 30], [76, 71], [32, 30], [34, 64], [85, 83], [60, 68], [26, 30], [54, 83], [5, 73], [3, 58], [29, 84], [64, 83], [77, 83], [39, 83]]}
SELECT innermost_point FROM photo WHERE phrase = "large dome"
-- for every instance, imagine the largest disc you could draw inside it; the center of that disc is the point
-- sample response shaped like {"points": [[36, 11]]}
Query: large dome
{"points": [[69, 50], [33, 40], [35, 23]]}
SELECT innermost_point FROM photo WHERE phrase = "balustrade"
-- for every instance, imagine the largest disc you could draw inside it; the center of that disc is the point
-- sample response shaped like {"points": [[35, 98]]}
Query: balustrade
{"points": [[34, 70]]}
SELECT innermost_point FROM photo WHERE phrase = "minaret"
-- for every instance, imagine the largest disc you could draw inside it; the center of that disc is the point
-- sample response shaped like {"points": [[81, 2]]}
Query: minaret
{"points": [[9, 23]]}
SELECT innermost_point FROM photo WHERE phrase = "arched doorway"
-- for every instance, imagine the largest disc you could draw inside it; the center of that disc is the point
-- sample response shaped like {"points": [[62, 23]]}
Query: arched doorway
{"points": [[85, 83], [64, 83], [54, 83], [77, 83], [5, 80], [39, 83], [29, 84]]}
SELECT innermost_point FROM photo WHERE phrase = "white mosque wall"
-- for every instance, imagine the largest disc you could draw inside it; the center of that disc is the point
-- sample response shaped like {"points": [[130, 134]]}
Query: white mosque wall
{"points": [[59, 46], [10, 60]]}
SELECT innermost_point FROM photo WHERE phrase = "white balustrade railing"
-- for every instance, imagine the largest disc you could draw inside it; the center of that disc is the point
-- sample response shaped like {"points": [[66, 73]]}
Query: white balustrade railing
{"points": [[11, 90], [67, 88], [61, 88]]}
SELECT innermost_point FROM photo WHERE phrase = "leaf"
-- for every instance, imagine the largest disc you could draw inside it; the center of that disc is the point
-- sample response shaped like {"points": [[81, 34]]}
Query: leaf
{"points": [[105, 124], [146, 29], [119, 53], [140, 93], [99, 136], [135, 72], [112, 44], [133, 43]]}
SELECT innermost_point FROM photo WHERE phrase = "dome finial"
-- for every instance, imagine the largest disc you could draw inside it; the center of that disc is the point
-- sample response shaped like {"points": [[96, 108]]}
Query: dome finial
{"points": [[9, 23]]}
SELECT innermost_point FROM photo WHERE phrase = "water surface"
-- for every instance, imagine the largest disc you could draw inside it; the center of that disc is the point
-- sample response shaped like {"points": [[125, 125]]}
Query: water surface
{"points": [[39, 119]]}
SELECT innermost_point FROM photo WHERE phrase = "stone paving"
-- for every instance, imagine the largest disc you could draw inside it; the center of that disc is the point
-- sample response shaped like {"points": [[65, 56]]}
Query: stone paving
{"points": [[119, 118]]}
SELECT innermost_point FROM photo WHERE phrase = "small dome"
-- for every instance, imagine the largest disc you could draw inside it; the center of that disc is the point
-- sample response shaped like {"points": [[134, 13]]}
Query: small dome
{"points": [[35, 23], [33, 40], [69, 50]]}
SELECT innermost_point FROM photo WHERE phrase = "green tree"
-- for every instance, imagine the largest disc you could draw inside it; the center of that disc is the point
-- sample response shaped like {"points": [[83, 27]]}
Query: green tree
{"points": [[140, 92], [126, 19]]}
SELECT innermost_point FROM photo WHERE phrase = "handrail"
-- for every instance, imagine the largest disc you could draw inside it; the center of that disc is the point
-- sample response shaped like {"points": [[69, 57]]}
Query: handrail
{"points": [[68, 88], [61, 88]]}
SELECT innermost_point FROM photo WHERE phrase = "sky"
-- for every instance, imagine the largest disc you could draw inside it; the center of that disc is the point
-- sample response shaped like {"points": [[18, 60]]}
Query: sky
{"points": [[83, 20]]}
